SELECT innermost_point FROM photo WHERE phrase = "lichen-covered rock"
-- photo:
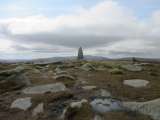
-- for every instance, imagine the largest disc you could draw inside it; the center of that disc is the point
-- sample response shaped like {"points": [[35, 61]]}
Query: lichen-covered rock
{"points": [[151, 108]]}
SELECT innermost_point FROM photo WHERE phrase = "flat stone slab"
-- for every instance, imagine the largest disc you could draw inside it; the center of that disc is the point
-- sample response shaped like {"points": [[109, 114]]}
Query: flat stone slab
{"points": [[151, 108], [132, 68], [22, 103], [57, 87], [103, 105], [136, 83]]}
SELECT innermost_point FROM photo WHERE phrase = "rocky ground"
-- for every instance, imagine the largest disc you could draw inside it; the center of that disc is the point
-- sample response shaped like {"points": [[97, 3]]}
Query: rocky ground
{"points": [[80, 90]]}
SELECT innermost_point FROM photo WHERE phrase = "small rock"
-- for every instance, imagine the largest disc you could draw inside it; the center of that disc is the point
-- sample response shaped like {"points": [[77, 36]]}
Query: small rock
{"points": [[89, 87], [57, 87], [105, 93], [80, 110], [78, 104], [87, 67], [116, 71], [63, 76], [136, 83], [22, 103], [102, 105], [97, 117], [38, 109], [59, 71]]}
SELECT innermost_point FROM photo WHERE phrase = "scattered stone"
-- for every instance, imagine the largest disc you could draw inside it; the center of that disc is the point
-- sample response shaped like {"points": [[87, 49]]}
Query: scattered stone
{"points": [[97, 117], [143, 64], [59, 71], [19, 79], [105, 93], [78, 104], [89, 87], [79, 111], [101, 68], [136, 83], [57, 87], [151, 108], [64, 77], [87, 67], [16, 70], [132, 68], [22, 103], [103, 105], [116, 71], [38, 109]]}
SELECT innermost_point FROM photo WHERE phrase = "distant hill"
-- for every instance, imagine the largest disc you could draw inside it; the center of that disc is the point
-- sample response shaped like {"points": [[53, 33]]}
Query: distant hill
{"points": [[54, 59], [72, 58]]}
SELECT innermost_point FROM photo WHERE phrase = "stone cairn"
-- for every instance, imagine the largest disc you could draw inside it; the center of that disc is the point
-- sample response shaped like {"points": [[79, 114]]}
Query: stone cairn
{"points": [[80, 54]]}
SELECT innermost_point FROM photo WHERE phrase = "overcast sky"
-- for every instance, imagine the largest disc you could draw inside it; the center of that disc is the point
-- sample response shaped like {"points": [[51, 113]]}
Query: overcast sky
{"points": [[110, 28]]}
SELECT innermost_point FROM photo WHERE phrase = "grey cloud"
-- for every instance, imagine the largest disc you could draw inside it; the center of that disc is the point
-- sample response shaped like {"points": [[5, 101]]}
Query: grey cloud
{"points": [[72, 41]]}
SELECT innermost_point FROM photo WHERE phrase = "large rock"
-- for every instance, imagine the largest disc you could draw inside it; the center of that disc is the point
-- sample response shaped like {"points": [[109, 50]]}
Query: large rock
{"points": [[103, 105], [132, 68], [136, 83], [151, 108], [57, 87], [22, 103]]}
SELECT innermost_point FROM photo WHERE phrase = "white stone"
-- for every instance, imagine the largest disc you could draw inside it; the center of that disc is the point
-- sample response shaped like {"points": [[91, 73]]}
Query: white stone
{"points": [[105, 93], [78, 104], [22, 103], [151, 108], [136, 83], [97, 117], [38, 109], [89, 87], [102, 105], [57, 87], [87, 67]]}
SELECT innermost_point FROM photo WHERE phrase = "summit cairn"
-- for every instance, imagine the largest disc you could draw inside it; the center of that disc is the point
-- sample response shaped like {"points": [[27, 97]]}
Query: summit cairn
{"points": [[80, 54]]}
